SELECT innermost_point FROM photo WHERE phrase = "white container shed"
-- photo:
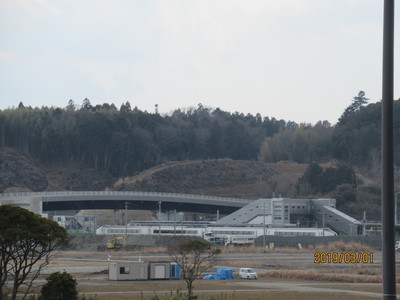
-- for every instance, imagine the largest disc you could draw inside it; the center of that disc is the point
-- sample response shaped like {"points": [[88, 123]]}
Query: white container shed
{"points": [[136, 270], [160, 270]]}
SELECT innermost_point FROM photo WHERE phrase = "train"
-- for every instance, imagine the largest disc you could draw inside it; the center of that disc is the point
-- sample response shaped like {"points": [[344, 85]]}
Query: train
{"points": [[219, 234]]}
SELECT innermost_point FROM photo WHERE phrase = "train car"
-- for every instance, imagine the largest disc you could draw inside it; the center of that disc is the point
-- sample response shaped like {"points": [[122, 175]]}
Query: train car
{"points": [[150, 230], [233, 231], [216, 234], [114, 230], [288, 232]]}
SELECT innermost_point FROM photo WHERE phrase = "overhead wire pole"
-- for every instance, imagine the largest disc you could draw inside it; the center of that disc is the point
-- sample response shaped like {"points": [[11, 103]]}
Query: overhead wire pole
{"points": [[126, 217], [264, 226], [388, 239], [159, 218]]}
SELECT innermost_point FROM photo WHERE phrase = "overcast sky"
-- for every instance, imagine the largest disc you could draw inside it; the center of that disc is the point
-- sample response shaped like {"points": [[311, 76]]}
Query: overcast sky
{"points": [[299, 60]]}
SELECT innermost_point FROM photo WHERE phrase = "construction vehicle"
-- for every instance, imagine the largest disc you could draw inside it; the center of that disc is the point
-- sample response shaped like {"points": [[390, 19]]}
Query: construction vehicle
{"points": [[117, 242]]}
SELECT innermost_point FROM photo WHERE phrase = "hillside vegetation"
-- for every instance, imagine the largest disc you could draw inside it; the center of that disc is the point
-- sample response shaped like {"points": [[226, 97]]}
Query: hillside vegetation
{"points": [[197, 150], [122, 142], [126, 141], [219, 177]]}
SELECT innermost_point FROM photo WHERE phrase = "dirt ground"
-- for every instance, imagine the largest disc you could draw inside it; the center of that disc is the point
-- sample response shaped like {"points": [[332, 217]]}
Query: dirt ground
{"points": [[91, 271]]}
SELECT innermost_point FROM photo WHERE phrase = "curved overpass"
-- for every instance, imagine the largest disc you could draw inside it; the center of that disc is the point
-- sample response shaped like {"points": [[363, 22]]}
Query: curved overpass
{"points": [[65, 200]]}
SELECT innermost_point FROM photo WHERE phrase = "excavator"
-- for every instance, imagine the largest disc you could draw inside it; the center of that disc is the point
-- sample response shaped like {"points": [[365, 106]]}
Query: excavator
{"points": [[117, 242]]}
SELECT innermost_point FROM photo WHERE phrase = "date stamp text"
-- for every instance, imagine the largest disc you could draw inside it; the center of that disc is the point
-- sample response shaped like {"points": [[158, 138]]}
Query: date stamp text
{"points": [[343, 257]]}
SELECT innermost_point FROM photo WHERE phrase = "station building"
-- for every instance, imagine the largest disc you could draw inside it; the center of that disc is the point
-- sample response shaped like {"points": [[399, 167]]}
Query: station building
{"points": [[281, 212]]}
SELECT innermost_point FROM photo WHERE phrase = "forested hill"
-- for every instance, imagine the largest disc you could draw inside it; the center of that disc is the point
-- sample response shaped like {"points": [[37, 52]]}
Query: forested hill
{"points": [[124, 141], [121, 142], [355, 140], [90, 147]]}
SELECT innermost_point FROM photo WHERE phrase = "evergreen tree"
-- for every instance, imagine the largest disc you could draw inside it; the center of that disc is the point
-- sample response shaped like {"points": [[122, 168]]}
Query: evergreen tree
{"points": [[59, 286], [357, 104]]}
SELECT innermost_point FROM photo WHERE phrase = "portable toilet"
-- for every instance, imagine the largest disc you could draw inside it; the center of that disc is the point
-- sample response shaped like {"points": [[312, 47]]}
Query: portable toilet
{"points": [[175, 271]]}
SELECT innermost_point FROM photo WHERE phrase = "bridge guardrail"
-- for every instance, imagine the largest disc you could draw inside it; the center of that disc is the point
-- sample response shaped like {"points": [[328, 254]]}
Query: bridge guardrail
{"points": [[119, 193]]}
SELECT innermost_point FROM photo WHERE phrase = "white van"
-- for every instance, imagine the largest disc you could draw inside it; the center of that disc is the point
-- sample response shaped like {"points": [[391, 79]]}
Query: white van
{"points": [[247, 273]]}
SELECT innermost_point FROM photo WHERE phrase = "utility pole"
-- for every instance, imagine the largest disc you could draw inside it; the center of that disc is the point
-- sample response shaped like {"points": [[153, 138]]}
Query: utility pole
{"points": [[159, 218], [174, 222], [126, 217], [264, 225], [388, 232], [364, 233], [396, 219]]}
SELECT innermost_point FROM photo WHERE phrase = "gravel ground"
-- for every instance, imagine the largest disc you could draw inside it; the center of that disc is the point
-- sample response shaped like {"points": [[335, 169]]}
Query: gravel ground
{"points": [[90, 269]]}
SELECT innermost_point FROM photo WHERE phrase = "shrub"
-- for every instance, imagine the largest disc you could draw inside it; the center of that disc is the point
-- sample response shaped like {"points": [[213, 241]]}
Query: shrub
{"points": [[59, 286]]}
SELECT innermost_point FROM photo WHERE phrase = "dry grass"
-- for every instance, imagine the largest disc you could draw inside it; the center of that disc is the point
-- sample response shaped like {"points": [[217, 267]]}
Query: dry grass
{"points": [[239, 296], [166, 285], [244, 249], [153, 250], [216, 290], [364, 287], [335, 277], [234, 295], [116, 253], [367, 271], [259, 249], [249, 263], [338, 246], [341, 246], [364, 276]]}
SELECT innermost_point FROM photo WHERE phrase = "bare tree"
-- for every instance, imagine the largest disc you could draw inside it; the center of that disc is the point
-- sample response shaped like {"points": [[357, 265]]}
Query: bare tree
{"points": [[26, 242], [194, 258]]}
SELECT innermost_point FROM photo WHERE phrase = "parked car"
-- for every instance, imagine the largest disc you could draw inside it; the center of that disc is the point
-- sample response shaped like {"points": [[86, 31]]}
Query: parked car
{"points": [[247, 273]]}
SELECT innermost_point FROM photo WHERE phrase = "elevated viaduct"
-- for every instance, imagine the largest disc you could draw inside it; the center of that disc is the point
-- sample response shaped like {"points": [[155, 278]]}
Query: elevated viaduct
{"points": [[71, 200]]}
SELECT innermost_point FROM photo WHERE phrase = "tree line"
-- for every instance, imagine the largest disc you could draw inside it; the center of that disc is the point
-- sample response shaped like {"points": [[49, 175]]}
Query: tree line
{"points": [[355, 140], [127, 140], [123, 141]]}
